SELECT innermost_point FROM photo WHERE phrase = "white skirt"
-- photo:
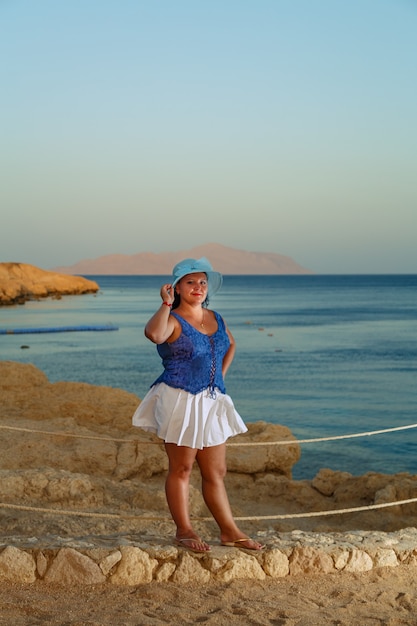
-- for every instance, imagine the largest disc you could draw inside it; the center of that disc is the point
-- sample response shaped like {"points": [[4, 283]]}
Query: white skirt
{"points": [[197, 421]]}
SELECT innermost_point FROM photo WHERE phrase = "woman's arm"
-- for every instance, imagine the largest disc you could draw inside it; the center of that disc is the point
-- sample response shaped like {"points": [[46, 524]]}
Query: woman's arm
{"points": [[229, 356], [161, 325]]}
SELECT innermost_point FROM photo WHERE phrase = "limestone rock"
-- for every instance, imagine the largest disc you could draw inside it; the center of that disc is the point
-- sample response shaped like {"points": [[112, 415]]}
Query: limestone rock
{"points": [[165, 572], [359, 561], [308, 559], [385, 558], [41, 563], [14, 377], [20, 282], [259, 458], [341, 559], [16, 566], [70, 567], [50, 486], [327, 481], [190, 570], [90, 412], [109, 561], [242, 565], [276, 564], [135, 568], [291, 554]]}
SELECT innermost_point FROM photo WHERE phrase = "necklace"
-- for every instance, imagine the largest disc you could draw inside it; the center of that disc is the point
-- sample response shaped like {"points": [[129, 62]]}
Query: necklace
{"points": [[202, 321]]}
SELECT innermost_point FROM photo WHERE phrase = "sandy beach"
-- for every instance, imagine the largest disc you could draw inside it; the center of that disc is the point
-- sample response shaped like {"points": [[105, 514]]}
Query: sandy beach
{"points": [[387, 596]]}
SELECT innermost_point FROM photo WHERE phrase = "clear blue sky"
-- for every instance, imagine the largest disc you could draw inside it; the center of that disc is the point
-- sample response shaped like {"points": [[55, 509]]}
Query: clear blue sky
{"points": [[285, 126]]}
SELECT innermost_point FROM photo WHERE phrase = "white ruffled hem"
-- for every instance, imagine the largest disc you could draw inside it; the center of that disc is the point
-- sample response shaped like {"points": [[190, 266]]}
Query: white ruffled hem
{"points": [[192, 420]]}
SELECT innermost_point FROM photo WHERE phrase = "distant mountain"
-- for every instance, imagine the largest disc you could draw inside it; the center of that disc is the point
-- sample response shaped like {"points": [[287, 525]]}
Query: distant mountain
{"points": [[225, 260]]}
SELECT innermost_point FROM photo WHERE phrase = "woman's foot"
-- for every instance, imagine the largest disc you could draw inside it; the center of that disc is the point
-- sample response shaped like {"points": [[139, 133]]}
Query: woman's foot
{"points": [[245, 543], [194, 543]]}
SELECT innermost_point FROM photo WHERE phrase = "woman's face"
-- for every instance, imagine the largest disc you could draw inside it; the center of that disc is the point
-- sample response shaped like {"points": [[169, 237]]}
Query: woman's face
{"points": [[193, 287]]}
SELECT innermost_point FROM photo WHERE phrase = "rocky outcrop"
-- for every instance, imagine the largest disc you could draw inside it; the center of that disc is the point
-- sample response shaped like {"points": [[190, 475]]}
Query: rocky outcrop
{"points": [[71, 445], [20, 282], [122, 451], [82, 498]]}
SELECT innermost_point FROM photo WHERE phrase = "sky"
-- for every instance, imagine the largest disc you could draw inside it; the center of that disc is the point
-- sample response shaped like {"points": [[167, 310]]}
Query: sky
{"points": [[284, 126]]}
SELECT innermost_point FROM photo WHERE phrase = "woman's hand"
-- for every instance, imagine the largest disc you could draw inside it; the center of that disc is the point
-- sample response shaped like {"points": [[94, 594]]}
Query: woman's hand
{"points": [[167, 293]]}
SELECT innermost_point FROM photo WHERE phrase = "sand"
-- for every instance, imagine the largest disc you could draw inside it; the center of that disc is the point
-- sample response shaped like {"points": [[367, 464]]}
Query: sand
{"points": [[383, 596]]}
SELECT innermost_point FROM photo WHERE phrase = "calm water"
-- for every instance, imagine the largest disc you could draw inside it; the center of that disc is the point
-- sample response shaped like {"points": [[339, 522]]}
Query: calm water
{"points": [[323, 355]]}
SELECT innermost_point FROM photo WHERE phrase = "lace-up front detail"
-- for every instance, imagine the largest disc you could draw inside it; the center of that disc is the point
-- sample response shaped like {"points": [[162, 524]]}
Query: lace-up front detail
{"points": [[211, 388]]}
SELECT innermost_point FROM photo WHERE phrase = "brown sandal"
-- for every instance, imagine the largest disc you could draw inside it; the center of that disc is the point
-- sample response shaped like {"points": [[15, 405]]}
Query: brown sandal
{"points": [[187, 541], [238, 544]]}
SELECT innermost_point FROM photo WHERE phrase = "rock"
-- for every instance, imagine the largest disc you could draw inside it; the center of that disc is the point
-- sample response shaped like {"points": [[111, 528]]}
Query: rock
{"points": [[308, 559], [286, 554], [165, 572], [71, 567], [135, 568], [14, 378], [260, 458], [385, 558], [341, 559], [20, 282], [41, 563], [107, 564], [276, 564], [190, 570], [359, 561], [327, 481], [242, 565], [16, 566]]}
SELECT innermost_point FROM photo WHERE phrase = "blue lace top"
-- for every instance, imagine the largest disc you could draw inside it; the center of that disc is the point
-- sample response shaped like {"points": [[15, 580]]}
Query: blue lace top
{"points": [[193, 362]]}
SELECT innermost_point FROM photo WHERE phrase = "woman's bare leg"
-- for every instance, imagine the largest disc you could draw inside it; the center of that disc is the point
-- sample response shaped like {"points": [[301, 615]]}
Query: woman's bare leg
{"points": [[212, 464], [181, 460]]}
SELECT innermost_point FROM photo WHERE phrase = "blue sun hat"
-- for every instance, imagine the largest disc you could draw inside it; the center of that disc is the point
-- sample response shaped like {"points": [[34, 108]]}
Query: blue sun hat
{"points": [[195, 266]]}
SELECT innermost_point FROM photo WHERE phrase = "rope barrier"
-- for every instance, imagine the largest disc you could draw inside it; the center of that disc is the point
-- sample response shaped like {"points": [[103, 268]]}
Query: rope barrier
{"points": [[38, 509], [357, 509], [283, 442], [76, 435], [369, 507]]}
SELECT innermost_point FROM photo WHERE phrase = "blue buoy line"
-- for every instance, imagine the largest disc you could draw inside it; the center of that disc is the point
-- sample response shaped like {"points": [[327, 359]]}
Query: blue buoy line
{"points": [[57, 329]]}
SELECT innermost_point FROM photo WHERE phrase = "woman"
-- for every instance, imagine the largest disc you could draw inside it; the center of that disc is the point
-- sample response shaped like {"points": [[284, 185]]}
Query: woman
{"points": [[187, 406]]}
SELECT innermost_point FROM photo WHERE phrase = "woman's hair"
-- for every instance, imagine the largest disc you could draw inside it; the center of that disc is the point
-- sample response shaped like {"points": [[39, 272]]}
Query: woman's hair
{"points": [[177, 300]]}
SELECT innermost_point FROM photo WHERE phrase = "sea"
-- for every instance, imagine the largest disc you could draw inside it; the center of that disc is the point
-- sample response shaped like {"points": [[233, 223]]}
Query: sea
{"points": [[326, 356]]}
